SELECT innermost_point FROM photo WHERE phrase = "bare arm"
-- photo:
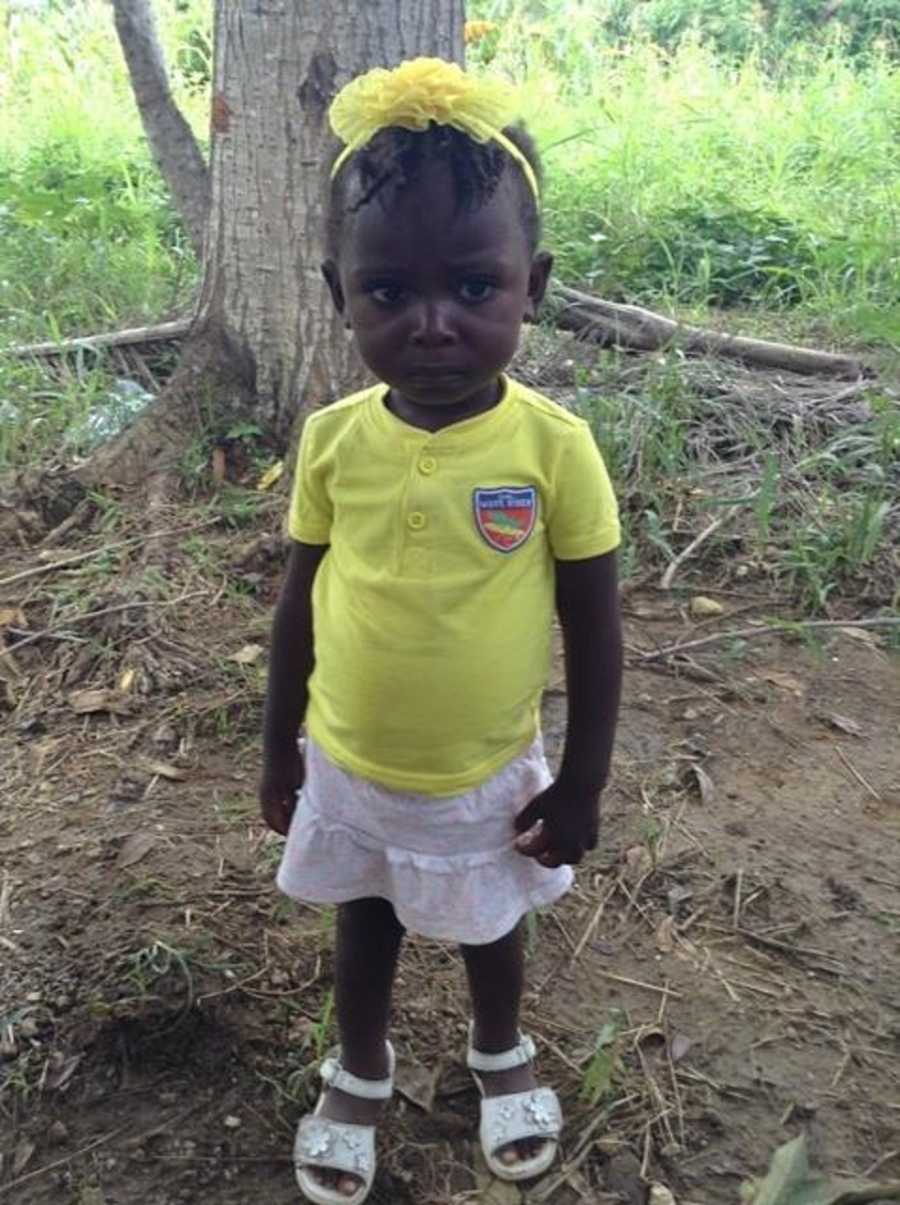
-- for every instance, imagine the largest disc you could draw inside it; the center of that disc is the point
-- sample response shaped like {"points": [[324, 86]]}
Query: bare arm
{"points": [[587, 601], [291, 663]]}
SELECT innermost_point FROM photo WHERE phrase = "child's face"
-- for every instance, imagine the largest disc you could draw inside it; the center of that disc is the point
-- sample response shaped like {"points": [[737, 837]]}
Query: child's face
{"points": [[435, 297]]}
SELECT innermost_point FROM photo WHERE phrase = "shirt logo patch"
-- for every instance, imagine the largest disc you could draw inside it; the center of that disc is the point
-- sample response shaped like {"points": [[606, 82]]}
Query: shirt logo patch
{"points": [[506, 516]]}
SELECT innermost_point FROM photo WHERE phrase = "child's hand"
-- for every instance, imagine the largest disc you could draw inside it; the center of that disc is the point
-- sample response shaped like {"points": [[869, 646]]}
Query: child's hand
{"points": [[559, 826], [281, 779]]}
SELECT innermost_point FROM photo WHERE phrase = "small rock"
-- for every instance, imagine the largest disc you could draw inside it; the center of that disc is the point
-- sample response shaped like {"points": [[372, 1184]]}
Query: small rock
{"points": [[702, 608], [57, 1134], [232, 1123]]}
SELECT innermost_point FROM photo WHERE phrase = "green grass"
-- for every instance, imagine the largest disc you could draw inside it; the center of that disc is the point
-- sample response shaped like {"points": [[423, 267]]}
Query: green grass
{"points": [[757, 193]]}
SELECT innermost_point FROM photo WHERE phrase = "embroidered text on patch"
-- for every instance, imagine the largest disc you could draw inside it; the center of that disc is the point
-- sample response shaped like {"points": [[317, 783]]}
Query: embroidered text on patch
{"points": [[505, 516]]}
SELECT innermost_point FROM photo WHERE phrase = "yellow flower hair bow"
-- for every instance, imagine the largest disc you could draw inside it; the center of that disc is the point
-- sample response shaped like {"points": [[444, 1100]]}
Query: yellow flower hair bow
{"points": [[418, 92]]}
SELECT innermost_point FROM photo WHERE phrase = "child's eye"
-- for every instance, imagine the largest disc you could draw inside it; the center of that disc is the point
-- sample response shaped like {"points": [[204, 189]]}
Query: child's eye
{"points": [[386, 292], [475, 289]]}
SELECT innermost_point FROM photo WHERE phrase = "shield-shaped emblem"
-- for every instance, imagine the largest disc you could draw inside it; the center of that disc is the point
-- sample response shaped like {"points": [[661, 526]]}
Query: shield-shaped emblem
{"points": [[505, 516]]}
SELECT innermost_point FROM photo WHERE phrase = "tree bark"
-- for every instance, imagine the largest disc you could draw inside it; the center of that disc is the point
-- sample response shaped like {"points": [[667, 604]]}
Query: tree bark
{"points": [[266, 339], [171, 139], [277, 68]]}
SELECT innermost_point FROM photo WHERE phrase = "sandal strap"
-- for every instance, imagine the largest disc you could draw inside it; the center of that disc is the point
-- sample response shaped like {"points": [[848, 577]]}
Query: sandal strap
{"points": [[506, 1060], [333, 1073], [340, 1146], [519, 1115]]}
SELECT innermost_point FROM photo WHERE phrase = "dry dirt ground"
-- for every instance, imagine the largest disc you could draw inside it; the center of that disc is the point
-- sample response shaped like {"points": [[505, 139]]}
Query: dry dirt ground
{"points": [[734, 944]]}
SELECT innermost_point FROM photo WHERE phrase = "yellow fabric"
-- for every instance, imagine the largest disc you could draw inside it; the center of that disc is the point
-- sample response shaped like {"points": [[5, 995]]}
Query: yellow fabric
{"points": [[432, 642], [421, 91]]}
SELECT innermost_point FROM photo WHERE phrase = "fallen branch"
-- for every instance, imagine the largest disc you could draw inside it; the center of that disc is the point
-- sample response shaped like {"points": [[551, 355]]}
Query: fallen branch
{"points": [[672, 650], [163, 332], [66, 562], [606, 322], [119, 607], [666, 581], [644, 330]]}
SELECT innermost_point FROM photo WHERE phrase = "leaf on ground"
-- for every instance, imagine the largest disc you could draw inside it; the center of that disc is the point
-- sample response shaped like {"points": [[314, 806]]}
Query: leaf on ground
{"points": [[705, 784], [785, 681], [60, 1075], [637, 862], [665, 935], [416, 1082], [272, 474], [247, 655], [126, 681], [12, 615], [864, 636], [790, 1182], [137, 846], [22, 1155], [660, 1195], [165, 770], [704, 608], [843, 724], [86, 702], [681, 1044]]}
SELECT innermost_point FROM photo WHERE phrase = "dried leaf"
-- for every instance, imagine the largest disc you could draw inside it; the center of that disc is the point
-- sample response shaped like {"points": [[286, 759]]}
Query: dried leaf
{"points": [[165, 770], [60, 1076], [126, 681], [85, 702], [637, 862], [135, 847], [272, 474], [704, 783], [12, 615], [681, 1044], [785, 681], [22, 1155], [864, 636], [665, 935], [704, 608], [660, 1195], [790, 1182], [247, 655], [416, 1082], [843, 724]]}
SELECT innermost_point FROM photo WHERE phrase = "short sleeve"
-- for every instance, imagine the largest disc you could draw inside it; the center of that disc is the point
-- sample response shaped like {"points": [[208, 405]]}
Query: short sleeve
{"points": [[584, 517], [310, 514]]}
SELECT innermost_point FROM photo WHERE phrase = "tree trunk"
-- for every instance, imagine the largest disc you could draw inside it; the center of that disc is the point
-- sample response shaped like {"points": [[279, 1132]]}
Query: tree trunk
{"points": [[171, 139], [265, 336], [277, 69]]}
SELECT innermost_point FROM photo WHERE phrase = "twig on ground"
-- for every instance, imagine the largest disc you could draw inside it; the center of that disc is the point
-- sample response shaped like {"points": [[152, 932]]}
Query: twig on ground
{"points": [[666, 580], [856, 774], [738, 884], [49, 1167], [768, 629], [647, 987], [86, 556], [102, 611]]}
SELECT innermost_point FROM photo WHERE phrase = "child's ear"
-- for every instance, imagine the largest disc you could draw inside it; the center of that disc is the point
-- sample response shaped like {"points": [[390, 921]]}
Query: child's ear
{"points": [[538, 277], [333, 280]]}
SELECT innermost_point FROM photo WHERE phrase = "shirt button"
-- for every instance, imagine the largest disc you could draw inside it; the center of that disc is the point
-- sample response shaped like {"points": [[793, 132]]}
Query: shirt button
{"points": [[416, 520], [427, 465]]}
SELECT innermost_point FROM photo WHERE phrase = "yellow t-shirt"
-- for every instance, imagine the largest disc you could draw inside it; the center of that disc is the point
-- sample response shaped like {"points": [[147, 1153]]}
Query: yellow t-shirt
{"points": [[432, 608]]}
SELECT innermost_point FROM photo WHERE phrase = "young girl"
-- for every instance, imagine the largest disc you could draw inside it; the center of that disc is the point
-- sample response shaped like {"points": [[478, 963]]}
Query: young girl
{"points": [[436, 519]]}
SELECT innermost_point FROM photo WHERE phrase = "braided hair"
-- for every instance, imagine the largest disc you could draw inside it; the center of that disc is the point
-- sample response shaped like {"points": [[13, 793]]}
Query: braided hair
{"points": [[395, 158]]}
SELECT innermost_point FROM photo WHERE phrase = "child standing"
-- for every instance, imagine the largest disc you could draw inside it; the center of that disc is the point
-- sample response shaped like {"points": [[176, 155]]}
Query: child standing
{"points": [[437, 519]]}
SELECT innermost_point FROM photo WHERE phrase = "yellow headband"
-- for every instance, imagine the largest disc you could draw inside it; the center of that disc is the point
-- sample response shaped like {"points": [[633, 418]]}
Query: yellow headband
{"points": [[418, 92]]}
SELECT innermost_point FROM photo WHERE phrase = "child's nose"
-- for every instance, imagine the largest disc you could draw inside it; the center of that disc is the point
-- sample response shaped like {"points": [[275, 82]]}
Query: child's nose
{"points": [[434, 325]]}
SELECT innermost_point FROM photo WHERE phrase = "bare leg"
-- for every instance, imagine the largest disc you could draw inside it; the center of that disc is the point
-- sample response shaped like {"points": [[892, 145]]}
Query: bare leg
{"points": [[368, 942], [496, 977]]}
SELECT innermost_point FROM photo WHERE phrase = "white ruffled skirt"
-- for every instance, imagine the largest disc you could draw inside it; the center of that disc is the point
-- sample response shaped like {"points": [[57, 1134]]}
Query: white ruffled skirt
{"points": [[448, 865]]}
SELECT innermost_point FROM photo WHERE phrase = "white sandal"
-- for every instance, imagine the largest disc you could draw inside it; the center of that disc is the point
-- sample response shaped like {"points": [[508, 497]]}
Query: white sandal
{"points": [[340, 1146], [535, 1113]]}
